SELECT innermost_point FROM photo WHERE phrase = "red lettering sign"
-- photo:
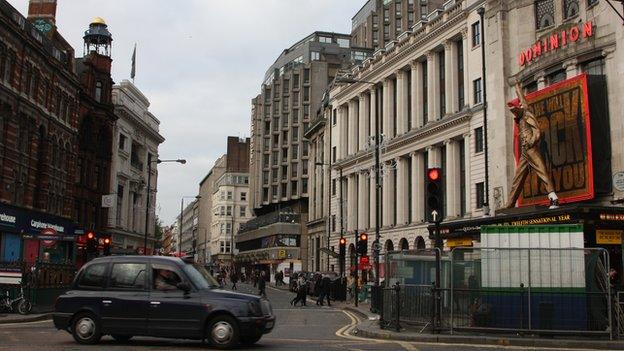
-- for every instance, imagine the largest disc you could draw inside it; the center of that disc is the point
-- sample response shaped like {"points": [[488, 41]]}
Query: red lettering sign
{"points": [[555, 41]]}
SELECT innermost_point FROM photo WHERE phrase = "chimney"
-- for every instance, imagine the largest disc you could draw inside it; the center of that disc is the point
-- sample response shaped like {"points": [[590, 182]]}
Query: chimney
{"points": [[42, 9]]}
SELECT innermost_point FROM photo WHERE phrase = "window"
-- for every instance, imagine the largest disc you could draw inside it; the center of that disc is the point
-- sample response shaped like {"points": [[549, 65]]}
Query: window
{"points": [[591, 2], [164, 278], [243, 196], [480, 195], [555, 77], [293, 187], [476, 85], [476, 33], [544, 13], [128, 276], [397, 8], [243, 211], [326, 40], [478, 135], [570, 8], [333, 154], [228, 210], [315, 55], [228, 228], [424, 11], [343, 43], [306, 76], [442, 83], [122, 142], [333, 189], [425, 95], [93, 276], [304, 185], [333, 223], [98, 91], [229, 195]]}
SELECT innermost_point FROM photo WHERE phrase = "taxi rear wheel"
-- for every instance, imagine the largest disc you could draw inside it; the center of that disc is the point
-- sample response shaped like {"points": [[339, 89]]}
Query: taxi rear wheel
{"points": [[222, 332]]}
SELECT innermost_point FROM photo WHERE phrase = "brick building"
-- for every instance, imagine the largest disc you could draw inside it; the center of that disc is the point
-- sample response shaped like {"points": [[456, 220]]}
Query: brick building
{"points": [[46, 97]]}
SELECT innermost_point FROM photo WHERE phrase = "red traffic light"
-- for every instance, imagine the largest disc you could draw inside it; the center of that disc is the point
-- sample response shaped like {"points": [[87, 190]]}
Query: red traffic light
{"points": [[107, 241], [343, 241], [363, 237], [433, 174], [90, 235]]}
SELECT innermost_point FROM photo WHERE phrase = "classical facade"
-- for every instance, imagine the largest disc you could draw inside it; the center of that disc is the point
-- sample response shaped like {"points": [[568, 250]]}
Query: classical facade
{"points": [[135, 145], [379, 22], [425, 92], [279, 168]]}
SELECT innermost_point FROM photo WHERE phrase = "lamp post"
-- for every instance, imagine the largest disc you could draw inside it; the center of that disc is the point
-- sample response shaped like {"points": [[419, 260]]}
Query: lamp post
{"points": [[376, 244], [182, 216], [149, 186], [341, 268]]}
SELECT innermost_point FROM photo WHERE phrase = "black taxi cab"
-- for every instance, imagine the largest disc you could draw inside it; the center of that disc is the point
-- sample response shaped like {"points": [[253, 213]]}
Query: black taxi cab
{"points": [[126, 296]]}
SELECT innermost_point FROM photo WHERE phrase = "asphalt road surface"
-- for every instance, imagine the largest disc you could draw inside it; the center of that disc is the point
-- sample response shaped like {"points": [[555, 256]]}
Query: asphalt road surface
{"points": [[297, 328]]}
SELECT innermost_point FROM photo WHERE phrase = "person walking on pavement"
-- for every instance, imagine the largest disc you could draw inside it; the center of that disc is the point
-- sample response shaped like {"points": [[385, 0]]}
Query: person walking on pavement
{"points": [[234, 279], [325, 291], [262, 284], [302, 292]]}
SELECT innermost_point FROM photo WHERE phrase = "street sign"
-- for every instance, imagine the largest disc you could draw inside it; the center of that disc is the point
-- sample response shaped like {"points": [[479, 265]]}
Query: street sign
{"points": [[281, 254], [49, 234], [329, 252]]}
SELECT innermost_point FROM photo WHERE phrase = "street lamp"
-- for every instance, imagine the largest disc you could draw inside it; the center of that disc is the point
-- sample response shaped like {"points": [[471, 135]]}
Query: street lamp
{"points": [[376, 244], [329, 215], [149, 180], [181, 216]]}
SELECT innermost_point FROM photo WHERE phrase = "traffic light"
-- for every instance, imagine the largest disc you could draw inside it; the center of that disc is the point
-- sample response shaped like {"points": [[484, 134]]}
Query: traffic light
{"points": [[106, 247], [91, 243], [434, 194], [342, 248], [362, 244]]}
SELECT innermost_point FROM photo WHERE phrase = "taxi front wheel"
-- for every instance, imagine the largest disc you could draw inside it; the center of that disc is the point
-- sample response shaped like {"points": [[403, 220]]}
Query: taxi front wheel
{"points": [[222, 332]]}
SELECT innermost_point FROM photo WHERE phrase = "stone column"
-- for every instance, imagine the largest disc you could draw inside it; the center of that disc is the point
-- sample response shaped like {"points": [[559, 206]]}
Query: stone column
{"points": [[571, 67], [433, 97], [372, 201], [391, 202], [453, 179], [312, 179], [402, 205], [418, 187], [467, 82], [386, 114], [450, 65], [467, 181], [372, 111], [362, 122], [541, 80], [433, 157], [344, 134], [402, 97], [416, 98], [362, 202], [391, 110], [353, 124]]}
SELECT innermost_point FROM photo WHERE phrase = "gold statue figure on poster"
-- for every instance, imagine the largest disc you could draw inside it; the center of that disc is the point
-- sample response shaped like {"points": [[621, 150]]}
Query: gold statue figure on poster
{"points": [[529, 135]]}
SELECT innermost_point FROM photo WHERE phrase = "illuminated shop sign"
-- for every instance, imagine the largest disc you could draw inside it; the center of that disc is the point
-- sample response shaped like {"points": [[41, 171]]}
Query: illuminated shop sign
{"points": [[556, 41]]}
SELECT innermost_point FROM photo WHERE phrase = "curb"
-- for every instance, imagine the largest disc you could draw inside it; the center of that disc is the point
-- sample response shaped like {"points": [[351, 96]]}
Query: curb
{"points": [[493, 341], [27, 319], [356, 311]]}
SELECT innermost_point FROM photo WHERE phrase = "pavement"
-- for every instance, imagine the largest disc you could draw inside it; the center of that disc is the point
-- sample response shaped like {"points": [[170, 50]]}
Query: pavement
{"points": [[339, 327], [11, 318]]}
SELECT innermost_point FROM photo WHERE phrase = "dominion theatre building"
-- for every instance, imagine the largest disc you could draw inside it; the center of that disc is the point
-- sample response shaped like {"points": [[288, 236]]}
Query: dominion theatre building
{"points": [[568, 57]]}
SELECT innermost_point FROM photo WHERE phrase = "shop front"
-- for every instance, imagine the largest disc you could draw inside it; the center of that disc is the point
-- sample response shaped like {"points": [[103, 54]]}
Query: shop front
{"points": [[29, 236]]}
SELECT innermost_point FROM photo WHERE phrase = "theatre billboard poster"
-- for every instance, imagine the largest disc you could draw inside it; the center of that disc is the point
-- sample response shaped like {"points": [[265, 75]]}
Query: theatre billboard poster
{"points": [[562, 111]]}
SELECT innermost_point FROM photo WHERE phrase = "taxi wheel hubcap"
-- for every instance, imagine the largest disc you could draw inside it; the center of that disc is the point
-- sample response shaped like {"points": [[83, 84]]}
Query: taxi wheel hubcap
{"points": [[222, 332], [85, 328]]}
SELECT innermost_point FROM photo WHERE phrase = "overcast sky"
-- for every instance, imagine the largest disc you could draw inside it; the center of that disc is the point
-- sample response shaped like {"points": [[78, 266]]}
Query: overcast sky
{"points": [[199, 62]]}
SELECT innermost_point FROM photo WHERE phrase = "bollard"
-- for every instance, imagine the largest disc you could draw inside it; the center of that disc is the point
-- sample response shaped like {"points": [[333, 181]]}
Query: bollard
{"points": [[397, 288]]}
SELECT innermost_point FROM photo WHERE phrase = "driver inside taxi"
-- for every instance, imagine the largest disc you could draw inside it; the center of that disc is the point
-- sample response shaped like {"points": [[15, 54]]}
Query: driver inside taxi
{"points": [[165, 280]]}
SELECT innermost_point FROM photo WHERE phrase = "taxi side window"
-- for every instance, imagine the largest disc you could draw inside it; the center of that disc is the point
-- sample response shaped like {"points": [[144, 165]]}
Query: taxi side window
{"points": [[94, 276], [128, 276], [165, 278]]}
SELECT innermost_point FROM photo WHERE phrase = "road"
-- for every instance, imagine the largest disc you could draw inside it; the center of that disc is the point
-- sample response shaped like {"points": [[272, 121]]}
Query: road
{"points": [[297, 328]]}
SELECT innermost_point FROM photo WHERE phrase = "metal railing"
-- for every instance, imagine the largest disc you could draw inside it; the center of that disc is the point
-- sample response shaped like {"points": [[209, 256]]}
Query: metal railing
{"points": [[522, 291]]}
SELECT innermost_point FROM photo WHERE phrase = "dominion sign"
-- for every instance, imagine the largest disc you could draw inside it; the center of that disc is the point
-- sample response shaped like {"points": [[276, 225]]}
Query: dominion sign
{"points": [[563, 114]]}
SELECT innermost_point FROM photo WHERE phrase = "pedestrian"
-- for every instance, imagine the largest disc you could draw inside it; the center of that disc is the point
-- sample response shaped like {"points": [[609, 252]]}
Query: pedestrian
{"points": [[302, 293], [234, 279], [262, 284], [325, 290]]}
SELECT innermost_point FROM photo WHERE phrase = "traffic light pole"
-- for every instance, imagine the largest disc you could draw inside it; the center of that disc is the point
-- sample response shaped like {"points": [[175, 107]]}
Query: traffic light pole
{"points": [[376, 245]]}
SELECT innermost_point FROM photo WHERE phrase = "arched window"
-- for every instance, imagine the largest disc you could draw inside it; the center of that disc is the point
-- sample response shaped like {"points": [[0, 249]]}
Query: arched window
{"points": [[544, 13], [419, 244], [570, 8], [403, 244], [98, 91], [389, 245]]}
